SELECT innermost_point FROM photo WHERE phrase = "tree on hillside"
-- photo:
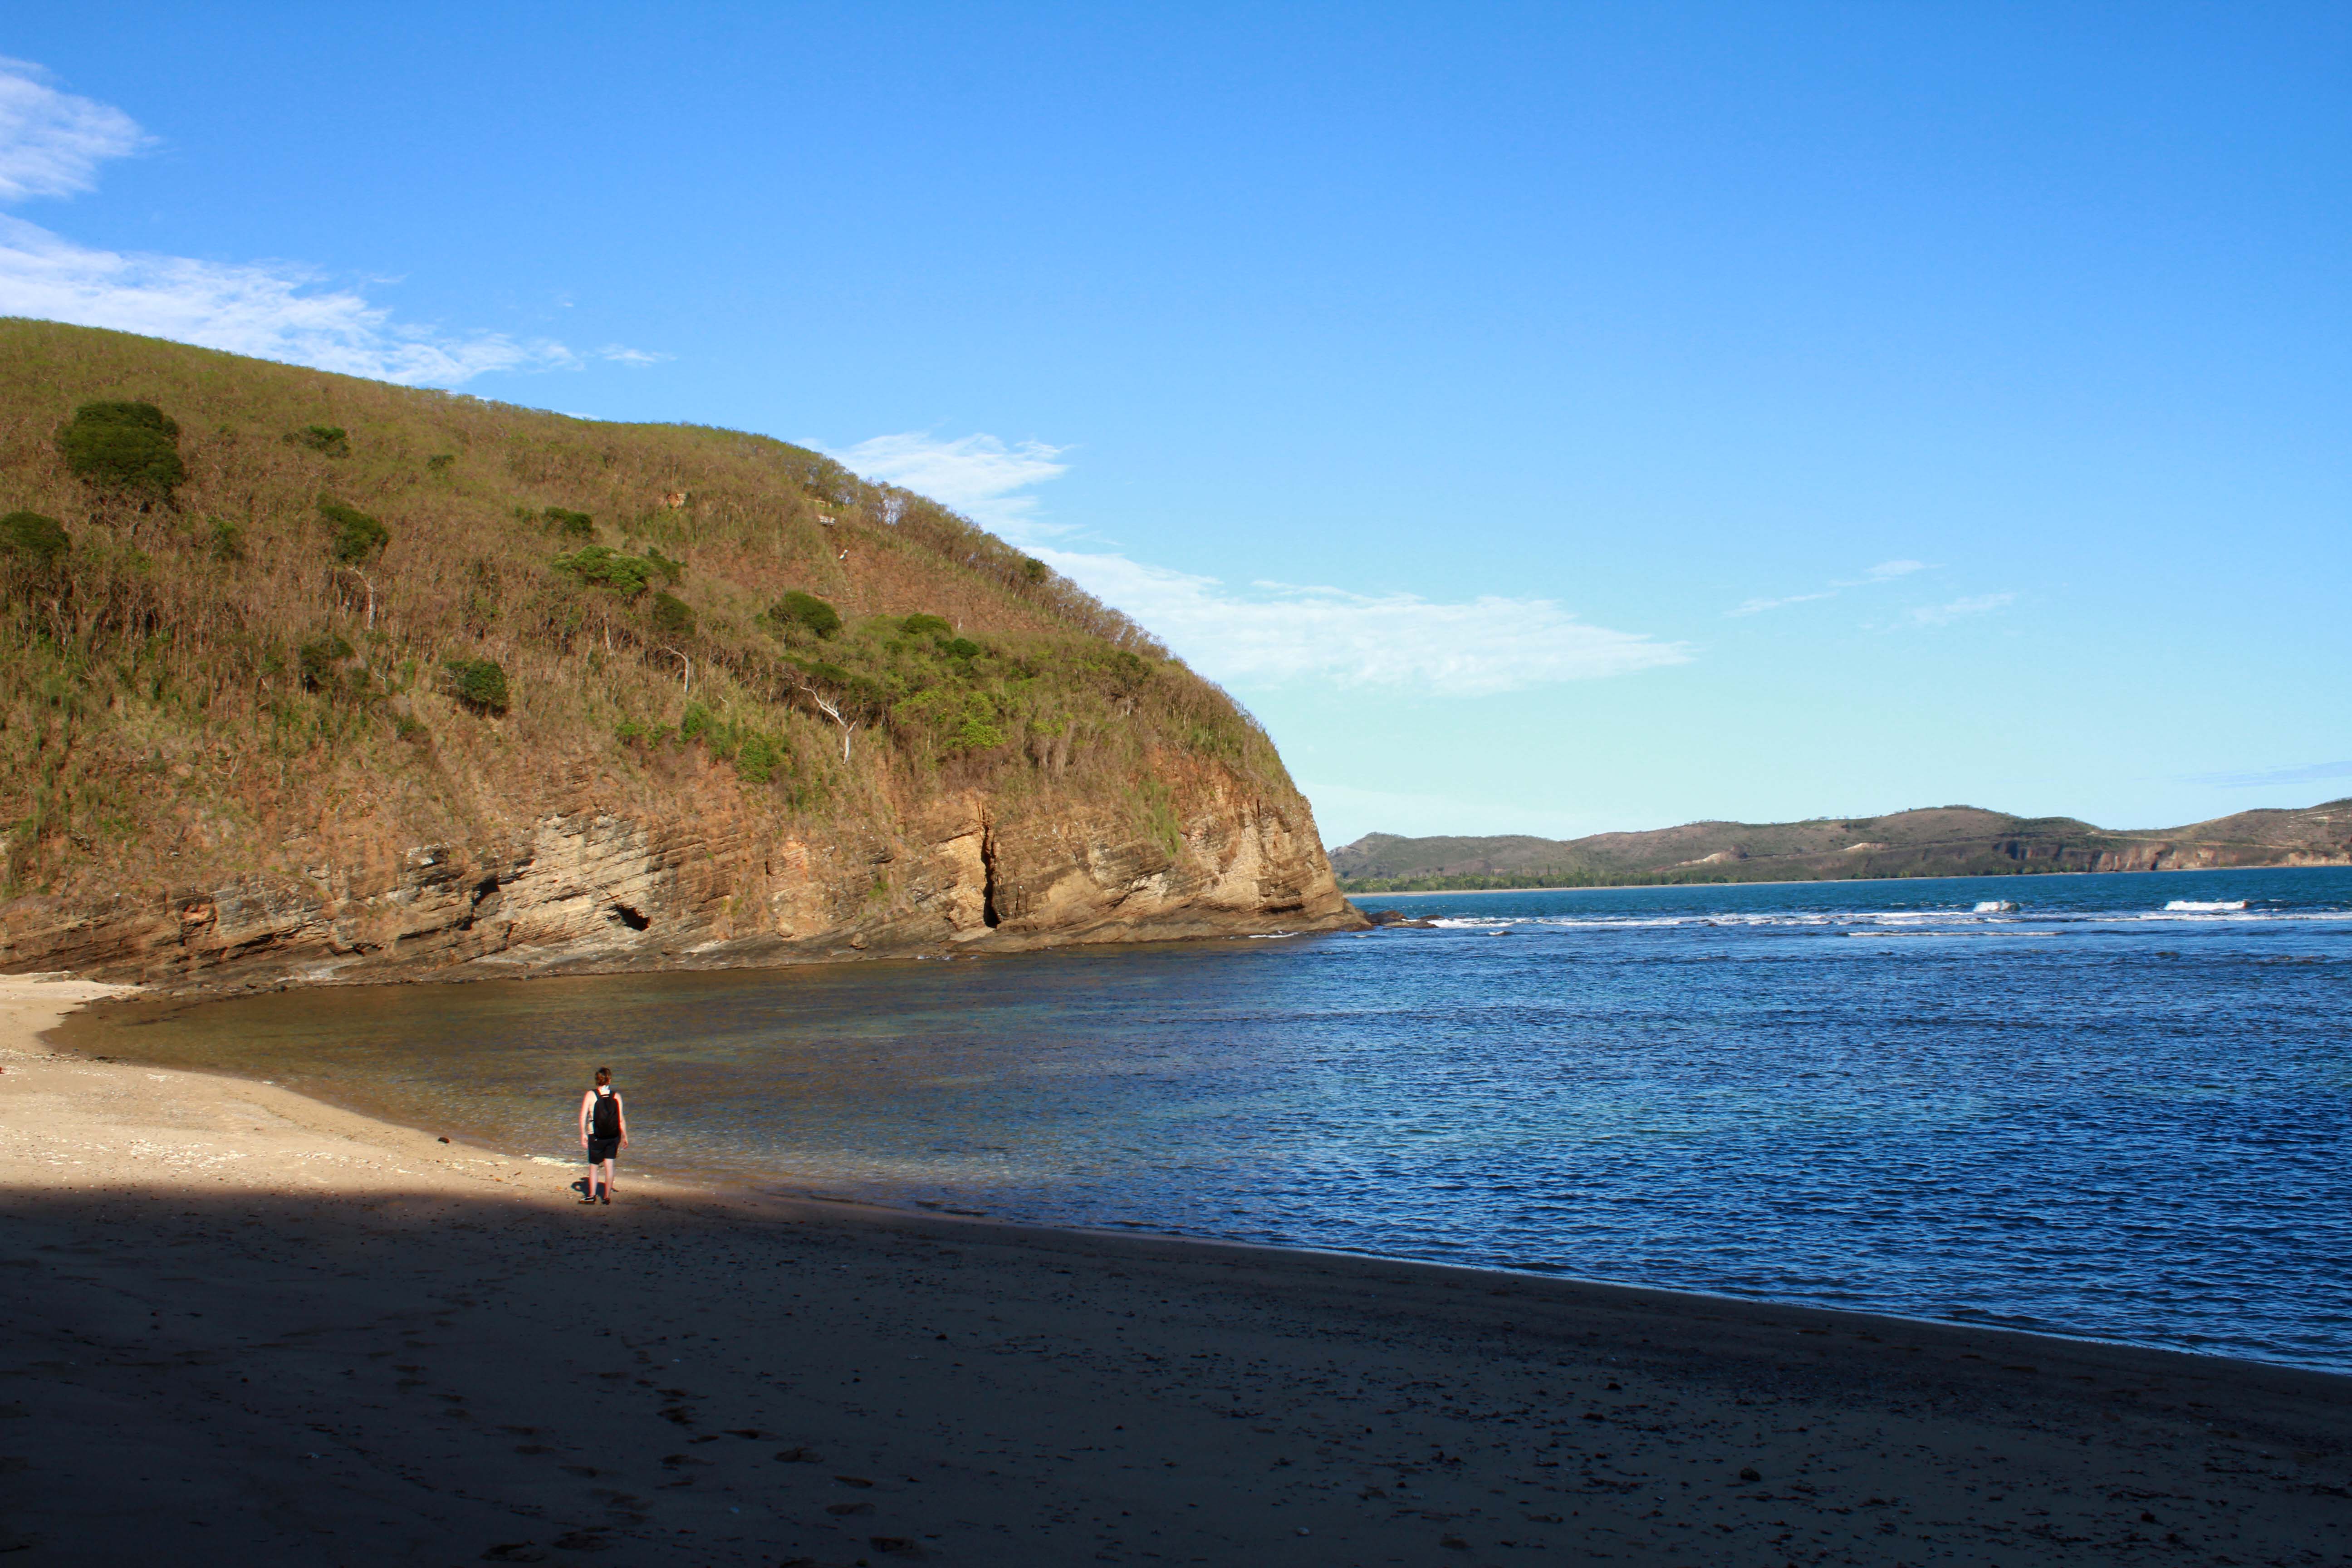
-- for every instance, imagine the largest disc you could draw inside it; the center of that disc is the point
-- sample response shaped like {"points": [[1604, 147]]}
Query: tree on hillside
{"points": [[479, 683], [804, 612], [357, 538], [318, 657], [354, 539], [602, 566], [673, 616], [127, 446], [836, 710], [29, 536]]}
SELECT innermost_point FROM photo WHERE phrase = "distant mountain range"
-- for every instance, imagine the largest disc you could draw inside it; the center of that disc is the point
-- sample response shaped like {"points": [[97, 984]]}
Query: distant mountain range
{"points": [[1945, 841]]}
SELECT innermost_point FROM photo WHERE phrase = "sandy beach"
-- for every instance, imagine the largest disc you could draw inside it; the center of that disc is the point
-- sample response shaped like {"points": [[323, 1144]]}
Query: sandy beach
{"points": [[244, 1327]]}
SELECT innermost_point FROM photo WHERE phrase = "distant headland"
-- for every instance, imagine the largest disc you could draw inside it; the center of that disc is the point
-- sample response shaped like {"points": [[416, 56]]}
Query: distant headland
{"points": [[1942, 841]]}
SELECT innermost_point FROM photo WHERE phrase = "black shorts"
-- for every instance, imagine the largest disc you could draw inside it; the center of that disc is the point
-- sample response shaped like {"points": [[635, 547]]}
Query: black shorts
{"points": [[603, 1149]]}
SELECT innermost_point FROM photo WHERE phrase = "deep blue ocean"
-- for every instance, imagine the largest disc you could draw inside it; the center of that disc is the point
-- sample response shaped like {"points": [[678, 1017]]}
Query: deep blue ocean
{"points": [[2118, 1106]]}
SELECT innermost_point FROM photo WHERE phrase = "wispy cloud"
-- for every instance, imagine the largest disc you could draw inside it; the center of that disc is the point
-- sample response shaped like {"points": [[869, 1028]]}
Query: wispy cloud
{"points": [[1884, 572], [1269, 631], [979, 476], [1274, 631], [620, 354], [1959, 609], [1757, 606], [269, 309], [51, 144], [2311, 773]]}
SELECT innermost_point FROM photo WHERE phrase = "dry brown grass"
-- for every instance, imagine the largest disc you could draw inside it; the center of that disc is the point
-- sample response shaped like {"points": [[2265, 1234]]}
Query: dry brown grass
{"points": [[156, 727]]}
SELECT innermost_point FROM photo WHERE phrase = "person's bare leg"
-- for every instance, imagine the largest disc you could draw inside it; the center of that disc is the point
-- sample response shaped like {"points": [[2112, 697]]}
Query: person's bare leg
{"points": [[608, 1180]]}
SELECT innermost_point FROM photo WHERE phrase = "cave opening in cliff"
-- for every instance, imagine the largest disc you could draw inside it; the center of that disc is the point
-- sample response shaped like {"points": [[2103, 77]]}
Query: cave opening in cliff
{"points": [[988, 915], [631, 918]]}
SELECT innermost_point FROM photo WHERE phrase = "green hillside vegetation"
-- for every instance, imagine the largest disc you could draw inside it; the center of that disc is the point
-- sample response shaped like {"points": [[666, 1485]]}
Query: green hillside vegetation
{"points": [[237, 596], [1944, 841]]}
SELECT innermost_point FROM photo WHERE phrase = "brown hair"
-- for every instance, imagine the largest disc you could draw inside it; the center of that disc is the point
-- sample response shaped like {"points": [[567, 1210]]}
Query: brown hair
{"points": [[603, 1075]]}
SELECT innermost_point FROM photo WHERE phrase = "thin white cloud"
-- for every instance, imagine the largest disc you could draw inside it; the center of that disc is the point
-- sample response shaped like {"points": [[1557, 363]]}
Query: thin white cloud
{"points": [[269, 310], [1272, 631], [620, 354], [52, 142], [2262, 778], [1273, 634], [1757, 606], [1884, 572], [979, 476], [1945, 615]]}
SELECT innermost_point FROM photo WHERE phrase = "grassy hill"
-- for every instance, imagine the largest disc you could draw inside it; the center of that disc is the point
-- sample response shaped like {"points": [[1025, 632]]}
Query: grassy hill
{"points": [[267, 629], [1945, 841]]}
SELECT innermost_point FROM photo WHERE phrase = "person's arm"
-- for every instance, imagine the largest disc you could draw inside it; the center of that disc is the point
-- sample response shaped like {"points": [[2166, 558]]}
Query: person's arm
{"points": [[584, 1117], [621, 1108]]}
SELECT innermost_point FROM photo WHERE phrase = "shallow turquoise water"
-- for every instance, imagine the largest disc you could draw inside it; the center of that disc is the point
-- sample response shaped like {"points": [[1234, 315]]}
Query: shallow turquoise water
{"points": [[2092, 1114]]}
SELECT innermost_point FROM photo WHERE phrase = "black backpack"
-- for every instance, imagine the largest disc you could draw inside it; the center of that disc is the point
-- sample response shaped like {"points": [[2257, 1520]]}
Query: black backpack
{"points": [[605, 1118]]}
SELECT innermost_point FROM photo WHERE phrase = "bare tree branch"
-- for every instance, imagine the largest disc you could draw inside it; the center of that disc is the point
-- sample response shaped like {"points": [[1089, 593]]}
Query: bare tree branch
{"points": [[832, 711], [371, 591]]}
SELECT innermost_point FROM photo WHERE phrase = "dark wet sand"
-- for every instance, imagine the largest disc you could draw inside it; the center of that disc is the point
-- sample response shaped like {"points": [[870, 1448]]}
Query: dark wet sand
{"points": [[243, 1327]]}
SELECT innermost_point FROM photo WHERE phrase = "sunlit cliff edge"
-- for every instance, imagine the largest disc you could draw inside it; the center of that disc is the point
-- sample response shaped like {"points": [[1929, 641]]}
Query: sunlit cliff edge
{"points": [[310, 678]]}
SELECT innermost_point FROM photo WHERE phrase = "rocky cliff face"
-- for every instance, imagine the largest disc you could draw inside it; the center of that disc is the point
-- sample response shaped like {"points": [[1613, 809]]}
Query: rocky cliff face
{"points": [[593, 888], [2166, 857], [341, 681]]}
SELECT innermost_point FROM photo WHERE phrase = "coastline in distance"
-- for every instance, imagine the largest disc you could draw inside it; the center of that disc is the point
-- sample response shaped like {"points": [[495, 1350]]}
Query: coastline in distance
{"points": [[1941, 841]]}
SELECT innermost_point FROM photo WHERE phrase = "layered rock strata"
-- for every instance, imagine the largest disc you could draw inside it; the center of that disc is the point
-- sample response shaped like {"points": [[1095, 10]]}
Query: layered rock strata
{"points": [[592, 889]]}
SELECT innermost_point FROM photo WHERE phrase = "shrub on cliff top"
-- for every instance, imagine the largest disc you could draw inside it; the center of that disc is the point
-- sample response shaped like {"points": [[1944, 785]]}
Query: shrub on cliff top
{"points": [[602, 566], [330, 440], [358, 537], [943, 636], [318, 658], [571, 524], [758, 755], [479, 683], [126, 446], [673, 616], [29, 536], [807, 612]]}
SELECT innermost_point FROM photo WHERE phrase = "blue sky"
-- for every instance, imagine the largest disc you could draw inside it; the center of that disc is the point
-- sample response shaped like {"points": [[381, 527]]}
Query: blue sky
{"points": [[1545, 418]]}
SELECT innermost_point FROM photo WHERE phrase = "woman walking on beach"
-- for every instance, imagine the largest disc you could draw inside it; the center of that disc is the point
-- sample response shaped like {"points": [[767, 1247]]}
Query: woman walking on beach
{"points": [[604, 1130]]}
